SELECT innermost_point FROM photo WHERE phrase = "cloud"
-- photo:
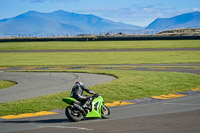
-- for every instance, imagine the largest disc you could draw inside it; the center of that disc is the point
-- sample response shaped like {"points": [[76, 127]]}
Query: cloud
{"points": [[137, 14], [43, 1], [140, 15], [196, 9]]}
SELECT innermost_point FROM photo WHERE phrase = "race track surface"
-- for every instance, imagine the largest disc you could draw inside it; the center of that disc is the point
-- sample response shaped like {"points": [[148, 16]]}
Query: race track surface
{"points": [[180, 115], [32, 84]]}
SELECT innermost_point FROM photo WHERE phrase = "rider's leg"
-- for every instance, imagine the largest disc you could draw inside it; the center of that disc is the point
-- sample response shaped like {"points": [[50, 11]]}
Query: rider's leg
{"points": [[87, 103], [86, 100]]}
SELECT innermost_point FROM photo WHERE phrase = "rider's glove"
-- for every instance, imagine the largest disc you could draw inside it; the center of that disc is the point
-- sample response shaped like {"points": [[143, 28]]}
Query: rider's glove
{"points": [[94, 94]]}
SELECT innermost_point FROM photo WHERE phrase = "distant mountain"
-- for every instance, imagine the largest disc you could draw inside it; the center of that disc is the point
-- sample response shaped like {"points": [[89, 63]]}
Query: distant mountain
{"points": [[188, 20], [60, 22]]}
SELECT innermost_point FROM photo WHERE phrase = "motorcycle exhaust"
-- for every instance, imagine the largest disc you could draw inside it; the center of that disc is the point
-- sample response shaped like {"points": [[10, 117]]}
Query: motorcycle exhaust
{"points": [[78, 107]]}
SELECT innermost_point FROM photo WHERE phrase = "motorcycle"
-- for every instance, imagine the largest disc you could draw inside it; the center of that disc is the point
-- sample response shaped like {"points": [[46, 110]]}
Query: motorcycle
{"points": [[75, 112]]}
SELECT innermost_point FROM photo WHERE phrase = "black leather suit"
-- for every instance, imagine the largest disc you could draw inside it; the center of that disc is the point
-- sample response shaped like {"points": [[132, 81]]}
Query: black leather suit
{"points": [[77, 92]]}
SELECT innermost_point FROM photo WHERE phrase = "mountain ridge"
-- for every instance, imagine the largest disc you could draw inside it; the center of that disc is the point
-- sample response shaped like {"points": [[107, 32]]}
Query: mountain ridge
{"points": [[187, 20], [33, 22], [63, 22]]}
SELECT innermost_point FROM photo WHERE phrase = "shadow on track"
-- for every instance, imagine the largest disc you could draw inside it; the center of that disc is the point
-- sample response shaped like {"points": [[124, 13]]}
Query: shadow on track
{"points": [[46, 121], [37, 121]]}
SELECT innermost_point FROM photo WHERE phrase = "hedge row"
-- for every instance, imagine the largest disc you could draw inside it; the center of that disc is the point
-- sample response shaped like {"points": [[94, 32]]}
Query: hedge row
{"points": [[101, 38]]}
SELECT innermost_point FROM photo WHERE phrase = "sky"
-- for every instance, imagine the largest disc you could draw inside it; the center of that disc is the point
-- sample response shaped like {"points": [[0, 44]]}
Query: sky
{"points": [[135, 12]]}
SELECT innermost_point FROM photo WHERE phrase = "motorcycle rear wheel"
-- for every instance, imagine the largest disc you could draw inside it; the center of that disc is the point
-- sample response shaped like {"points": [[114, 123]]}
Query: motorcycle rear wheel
{"points": [[105, 112], [72, 116]]}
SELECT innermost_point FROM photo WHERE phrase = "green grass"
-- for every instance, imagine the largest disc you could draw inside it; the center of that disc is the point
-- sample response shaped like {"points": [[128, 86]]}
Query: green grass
{"points": [[77, 58], [129, 85], [6, 84], [126, 67], [61, 45]]}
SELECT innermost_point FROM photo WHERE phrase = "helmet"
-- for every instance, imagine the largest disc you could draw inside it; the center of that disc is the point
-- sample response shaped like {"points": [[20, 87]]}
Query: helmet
{"points": [[79, 83]]}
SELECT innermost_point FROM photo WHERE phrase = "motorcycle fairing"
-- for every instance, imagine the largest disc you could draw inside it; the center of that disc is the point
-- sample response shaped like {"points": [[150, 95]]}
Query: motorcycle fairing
{"points": [[96, 108], [68, 100]]}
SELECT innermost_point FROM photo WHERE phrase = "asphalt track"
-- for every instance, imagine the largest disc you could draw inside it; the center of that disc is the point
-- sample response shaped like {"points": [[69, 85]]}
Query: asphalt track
{"points": [[32, 84], [180, 115]]}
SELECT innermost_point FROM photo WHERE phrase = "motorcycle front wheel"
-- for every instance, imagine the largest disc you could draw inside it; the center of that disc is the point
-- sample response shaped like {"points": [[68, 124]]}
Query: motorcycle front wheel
{"points": [[72, 114], [105, 112]]}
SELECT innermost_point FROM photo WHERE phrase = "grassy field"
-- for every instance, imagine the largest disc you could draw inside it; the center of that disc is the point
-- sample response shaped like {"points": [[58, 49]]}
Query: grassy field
{"points": [[6, 84], [78, 58], [60, 45], [129, 84]]}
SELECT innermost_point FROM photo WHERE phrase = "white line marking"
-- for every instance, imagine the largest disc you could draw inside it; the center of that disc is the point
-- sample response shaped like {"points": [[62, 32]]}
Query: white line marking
{"points": [[187, 104], [78, 128]]}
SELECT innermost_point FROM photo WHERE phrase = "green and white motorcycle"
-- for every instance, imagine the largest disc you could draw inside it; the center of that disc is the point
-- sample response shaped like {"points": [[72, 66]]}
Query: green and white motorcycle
{"points": [[97, 109]]}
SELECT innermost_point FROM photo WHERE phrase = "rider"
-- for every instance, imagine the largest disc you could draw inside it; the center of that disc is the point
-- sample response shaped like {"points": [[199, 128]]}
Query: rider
{"points": [[77, 92]]}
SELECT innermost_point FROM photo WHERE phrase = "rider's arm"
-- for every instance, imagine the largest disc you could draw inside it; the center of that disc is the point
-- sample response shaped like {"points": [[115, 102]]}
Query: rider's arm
{"points": [[88, 91]]}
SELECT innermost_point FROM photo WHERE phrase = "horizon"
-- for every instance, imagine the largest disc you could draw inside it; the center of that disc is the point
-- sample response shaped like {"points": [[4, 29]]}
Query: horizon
{"points": [[134, 12]]}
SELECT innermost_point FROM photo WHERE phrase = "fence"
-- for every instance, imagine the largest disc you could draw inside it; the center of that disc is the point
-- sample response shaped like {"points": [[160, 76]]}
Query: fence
{"points": [[53, 35]]}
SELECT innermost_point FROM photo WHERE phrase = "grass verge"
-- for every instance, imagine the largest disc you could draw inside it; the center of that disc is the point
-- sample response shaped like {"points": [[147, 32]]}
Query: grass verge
{"points": [[61, 45], [6, 84], [78, 58], [129, 85]]}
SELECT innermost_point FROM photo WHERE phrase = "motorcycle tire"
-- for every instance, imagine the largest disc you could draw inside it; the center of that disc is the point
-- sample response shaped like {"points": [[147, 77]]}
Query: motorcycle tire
{"points": [[105, 112], [69, 114]]}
